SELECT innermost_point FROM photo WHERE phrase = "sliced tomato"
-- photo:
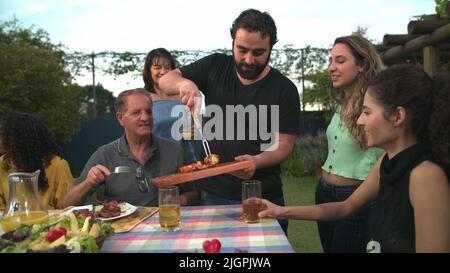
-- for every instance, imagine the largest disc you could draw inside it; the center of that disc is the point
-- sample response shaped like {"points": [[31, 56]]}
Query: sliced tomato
{"points": [[200, 166], [186, 169], [54, 233]]}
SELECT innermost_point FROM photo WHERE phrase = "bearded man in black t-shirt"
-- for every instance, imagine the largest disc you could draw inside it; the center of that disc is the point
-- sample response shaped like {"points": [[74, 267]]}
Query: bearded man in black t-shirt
{"points": [[252, 110]]}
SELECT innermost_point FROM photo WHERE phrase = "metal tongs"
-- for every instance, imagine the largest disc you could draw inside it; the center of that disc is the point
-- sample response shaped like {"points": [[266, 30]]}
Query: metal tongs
{"points": [[200, 129]]}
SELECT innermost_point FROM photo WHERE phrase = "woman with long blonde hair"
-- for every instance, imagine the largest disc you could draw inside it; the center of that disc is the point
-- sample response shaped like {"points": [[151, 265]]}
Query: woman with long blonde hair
{"points": [[353, 63]]}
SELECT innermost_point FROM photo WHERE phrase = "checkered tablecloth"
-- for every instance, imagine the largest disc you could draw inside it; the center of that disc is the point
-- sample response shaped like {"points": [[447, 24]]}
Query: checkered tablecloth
{"points": [[202, 223]]}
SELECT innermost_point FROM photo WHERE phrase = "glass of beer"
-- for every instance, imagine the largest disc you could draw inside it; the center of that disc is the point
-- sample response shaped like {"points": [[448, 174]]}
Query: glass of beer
{"points": [[251, 200], [169, 208], [187, 133]]}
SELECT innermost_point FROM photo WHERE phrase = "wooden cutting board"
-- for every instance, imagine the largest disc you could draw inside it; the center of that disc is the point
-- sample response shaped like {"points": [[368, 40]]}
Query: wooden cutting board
{"points": [[126, 224], [178, 178]]}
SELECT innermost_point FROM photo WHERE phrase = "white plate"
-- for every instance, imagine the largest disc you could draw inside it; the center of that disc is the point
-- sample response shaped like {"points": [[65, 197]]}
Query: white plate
{"points": [[88, 207], [129, 211]]}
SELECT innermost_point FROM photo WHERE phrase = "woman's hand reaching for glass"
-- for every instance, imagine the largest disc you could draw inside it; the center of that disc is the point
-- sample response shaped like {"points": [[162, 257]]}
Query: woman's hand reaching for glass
{"points": [[270, 210]]}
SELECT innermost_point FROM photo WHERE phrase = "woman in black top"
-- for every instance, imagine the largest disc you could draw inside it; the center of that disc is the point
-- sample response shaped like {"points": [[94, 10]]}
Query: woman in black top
{"points": [[406, 113]]}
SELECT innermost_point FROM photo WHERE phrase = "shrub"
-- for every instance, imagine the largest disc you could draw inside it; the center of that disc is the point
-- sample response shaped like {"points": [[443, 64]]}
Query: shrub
{"points": [[312, 151], [292, 166]]}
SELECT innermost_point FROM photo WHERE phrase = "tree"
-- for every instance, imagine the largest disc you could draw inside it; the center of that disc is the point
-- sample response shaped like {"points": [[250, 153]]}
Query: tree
{"points": [[295, 63], [442, 7], [105, 101], [317, 91], [362, 31], [33, 79]]}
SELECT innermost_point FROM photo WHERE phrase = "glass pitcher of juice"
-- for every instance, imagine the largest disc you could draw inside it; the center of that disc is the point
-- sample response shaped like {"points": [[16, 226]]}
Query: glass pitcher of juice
{"points": [[24, 205]]}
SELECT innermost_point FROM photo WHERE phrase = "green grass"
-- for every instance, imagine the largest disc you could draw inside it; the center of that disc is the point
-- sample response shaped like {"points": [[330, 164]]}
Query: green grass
{"points": [[302, 235]]}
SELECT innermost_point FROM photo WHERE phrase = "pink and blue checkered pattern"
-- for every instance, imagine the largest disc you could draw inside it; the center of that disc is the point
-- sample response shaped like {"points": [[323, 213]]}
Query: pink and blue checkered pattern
{"points": [[199, 224]]}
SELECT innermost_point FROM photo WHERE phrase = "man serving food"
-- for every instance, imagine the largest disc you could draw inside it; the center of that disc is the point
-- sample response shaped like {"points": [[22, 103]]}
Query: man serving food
{"points": [[243, 81]]}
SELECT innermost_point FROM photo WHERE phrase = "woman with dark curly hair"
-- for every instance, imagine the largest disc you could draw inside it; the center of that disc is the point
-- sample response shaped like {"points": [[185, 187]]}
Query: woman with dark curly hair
{"points": [[26, 146], [405, 113]]}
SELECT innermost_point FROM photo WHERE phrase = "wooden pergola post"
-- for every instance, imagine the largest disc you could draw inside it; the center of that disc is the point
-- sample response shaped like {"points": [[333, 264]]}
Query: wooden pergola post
{"points": [[431, 59]]}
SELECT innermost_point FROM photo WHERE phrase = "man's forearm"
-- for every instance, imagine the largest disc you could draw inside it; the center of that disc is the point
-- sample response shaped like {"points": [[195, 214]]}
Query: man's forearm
{"points": [[169, 83], [280, 154], [77, 194]]}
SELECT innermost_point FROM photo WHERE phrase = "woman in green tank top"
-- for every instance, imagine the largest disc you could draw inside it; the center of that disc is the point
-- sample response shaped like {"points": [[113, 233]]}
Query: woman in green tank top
{"points": [[353, 63]]}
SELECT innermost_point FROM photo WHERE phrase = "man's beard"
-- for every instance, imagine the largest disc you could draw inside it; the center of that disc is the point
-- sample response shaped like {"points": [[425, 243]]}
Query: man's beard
{"points": [[255, 69]]}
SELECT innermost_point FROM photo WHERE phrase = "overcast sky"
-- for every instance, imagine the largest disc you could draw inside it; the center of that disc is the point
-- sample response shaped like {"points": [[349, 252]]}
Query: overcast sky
{"points": [[139, 26]]}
